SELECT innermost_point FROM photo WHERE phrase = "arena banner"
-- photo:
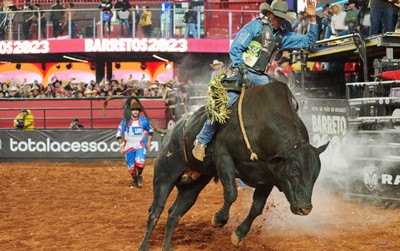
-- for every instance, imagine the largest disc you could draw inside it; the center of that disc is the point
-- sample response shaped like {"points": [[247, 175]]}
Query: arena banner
{"points": [[63, 145], [134, 45]]}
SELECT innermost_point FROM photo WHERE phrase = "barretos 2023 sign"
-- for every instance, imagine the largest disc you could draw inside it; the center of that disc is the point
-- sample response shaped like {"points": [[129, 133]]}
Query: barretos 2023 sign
{"points": [[114, 45], [16, 145]]}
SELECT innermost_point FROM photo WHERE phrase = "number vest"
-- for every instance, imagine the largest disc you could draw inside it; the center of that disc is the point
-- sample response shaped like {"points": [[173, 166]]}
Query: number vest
{"points": [[261, 49]]}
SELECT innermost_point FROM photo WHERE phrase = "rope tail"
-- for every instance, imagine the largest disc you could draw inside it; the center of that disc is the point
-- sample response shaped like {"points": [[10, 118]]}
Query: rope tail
{"points": [[253, 155], [157, 129]]}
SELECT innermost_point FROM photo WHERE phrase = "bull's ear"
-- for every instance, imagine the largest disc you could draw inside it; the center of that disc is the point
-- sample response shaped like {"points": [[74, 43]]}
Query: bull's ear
{"points": [[322, 148]]}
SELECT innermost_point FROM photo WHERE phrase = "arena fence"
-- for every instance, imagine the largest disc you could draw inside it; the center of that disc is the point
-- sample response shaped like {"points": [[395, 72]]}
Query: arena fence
{"points": [[64, 145], [59, 113]]}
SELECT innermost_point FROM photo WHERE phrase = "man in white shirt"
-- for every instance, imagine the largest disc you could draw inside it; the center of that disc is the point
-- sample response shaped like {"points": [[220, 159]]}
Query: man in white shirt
{"points": [[338, 26]]}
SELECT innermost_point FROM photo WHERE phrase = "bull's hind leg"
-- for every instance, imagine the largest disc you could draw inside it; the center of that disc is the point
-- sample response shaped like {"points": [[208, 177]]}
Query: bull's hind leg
{"points": [[226, 173], [164, 181], [259, 199], [186, 197], [161, 194]]}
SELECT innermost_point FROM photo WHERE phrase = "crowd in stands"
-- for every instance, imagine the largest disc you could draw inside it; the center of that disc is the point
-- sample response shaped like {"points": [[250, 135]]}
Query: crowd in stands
{"points": [[369, 17], [76, 89]]}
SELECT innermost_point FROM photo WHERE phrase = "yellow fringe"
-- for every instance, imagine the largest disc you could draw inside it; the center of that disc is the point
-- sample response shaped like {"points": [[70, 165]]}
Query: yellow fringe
{"points": [[217, 100]]}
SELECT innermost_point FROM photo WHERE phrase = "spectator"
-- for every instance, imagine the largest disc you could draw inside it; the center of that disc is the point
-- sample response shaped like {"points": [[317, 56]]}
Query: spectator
{"points": [[14, 92], [88, 93], [134, 135], [298, 23], [123, 14], [338, 26], [364, 20], [71, 12], [190, 19], [145, 21], [351, 15], [35, 92], [107, 14], [24, 120], [216, 66], [3, 21], [326, 22], [137, 20], [381, 14], [75, 125], [397, 28], [56, 17], [284, 70], [26, 18], [42, 20]]}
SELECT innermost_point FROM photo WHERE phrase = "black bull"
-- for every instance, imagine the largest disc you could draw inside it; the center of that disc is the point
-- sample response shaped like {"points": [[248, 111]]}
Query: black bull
{"points": [[276, 134]]}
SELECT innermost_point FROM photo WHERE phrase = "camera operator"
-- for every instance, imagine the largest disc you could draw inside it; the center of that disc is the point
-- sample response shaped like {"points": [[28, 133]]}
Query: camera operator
{"points": [[75, 124], [24, 120]]}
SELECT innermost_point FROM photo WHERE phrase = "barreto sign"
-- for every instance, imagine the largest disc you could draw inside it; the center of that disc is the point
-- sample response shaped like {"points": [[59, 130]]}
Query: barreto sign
{"points": [[114, 45]]}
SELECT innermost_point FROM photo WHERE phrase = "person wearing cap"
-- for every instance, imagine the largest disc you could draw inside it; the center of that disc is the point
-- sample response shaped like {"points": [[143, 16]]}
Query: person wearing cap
{"points": [[326, 22], [338, 26], [216, 65], [351, 15], [13, 92], [283, 70], [134, 136], [24, 120], [75, 124], [252, 52]]}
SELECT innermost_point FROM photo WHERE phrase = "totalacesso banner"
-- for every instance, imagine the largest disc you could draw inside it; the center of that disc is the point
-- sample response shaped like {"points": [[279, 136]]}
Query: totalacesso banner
{"points": [[68, 145]]}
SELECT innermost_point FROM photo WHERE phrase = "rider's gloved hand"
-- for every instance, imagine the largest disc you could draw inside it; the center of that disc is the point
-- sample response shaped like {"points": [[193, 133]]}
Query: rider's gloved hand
{"points": [[243, 70]]}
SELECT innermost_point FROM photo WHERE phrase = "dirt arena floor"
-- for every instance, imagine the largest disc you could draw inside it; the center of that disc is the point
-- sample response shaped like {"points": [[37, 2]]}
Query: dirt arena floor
{"points": [[90, 206]]}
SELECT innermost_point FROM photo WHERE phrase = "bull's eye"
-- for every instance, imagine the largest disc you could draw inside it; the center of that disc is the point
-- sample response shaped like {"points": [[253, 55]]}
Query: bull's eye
{"points": [[292, 171]]}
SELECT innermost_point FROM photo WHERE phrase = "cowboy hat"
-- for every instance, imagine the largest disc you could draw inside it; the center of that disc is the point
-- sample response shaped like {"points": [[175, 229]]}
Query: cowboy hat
{"points": [[216, 62], [135, 106], [352, 1], [278, 8]]}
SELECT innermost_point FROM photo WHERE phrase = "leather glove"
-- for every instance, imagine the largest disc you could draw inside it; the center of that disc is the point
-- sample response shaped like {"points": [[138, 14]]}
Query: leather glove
{"points": [[243, 70]]}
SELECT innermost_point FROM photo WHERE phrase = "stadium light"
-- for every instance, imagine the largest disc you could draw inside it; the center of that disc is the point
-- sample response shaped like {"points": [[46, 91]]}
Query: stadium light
{"points": [[75, 59]]}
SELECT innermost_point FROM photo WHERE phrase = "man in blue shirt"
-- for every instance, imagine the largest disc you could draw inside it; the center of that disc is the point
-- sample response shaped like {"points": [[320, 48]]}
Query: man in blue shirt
{"points": [[253, 50]]}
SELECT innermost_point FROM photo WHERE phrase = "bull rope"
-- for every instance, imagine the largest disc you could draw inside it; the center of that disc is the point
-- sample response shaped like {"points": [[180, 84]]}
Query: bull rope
{"points": [[253, 155]]}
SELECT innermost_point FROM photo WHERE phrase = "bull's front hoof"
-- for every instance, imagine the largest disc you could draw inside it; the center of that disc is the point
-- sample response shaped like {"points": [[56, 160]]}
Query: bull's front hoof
{"points": [[168, 249], [186, 179], [236, 240], [302, 211], [144, 247], [217, 223]]}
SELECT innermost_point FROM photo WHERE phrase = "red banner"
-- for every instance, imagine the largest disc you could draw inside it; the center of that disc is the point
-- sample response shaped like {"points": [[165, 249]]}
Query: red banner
{"points": [[115, 45]]}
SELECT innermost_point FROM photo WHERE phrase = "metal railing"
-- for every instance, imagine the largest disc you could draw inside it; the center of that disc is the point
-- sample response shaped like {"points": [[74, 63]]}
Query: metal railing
{"points": [[88, 23], [91, 115]]}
